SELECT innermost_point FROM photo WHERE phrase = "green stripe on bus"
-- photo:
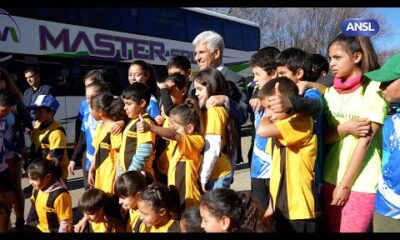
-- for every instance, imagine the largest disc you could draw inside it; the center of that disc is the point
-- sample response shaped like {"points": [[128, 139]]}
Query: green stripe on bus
{"points": [[238, 68]]}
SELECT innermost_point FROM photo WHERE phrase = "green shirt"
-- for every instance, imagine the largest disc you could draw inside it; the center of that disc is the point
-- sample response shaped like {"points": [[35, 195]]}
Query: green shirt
{"points": [[341, 108]]}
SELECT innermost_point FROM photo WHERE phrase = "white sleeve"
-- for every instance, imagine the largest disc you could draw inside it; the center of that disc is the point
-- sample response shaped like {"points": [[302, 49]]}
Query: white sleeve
{"points": [[227, 103], [212, 151]]}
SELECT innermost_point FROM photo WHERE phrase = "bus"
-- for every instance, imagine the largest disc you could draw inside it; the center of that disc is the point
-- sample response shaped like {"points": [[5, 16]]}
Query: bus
{"points": [[65, 43]]}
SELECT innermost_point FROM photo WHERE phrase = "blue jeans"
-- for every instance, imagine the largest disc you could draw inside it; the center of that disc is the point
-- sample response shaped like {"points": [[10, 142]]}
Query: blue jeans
{"points": [[224, 182]]}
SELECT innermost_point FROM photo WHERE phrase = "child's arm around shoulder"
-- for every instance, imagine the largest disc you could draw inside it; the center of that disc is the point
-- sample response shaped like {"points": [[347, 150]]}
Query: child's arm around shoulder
{"points": [[268, 129], [143, 126], [304, 85]]}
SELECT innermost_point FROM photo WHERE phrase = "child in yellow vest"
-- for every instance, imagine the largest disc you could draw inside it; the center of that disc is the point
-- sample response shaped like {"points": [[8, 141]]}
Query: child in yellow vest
{"points": [[128, 188], [49, 140], [103, 170], [137, 149], [51, 201]]}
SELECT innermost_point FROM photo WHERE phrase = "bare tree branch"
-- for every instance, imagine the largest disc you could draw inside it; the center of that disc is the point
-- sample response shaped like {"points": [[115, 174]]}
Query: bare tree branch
{"points": [[310, 29]]}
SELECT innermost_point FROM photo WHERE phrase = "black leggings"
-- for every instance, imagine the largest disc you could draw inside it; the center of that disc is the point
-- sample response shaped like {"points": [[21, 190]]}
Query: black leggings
{"points": [[282, 224], [260, 191], [85, 174]]}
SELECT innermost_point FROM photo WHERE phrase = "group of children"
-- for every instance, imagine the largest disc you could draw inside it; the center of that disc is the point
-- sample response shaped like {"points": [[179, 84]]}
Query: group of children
{"points": [[149, 167], [324, 162]]}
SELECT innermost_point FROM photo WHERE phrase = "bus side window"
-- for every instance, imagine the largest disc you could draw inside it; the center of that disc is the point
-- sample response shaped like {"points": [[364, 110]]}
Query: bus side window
{"points": [[232, 35], [163, 22], [197, 23], [123, 19], [251, 38]]}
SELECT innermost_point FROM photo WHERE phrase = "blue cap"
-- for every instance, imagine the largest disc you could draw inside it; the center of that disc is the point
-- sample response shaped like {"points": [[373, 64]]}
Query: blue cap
{"points": [[45, 101]]}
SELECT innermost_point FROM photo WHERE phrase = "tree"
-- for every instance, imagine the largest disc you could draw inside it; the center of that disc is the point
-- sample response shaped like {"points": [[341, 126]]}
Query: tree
{"points": [[310, 29]]}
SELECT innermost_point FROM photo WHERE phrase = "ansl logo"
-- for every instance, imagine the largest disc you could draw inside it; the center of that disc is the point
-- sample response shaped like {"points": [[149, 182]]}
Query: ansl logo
{"points": [[359, 27]]}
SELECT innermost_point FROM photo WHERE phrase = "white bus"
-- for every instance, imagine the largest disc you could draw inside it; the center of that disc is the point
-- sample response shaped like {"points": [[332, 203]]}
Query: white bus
{"points": [[65, 43]]}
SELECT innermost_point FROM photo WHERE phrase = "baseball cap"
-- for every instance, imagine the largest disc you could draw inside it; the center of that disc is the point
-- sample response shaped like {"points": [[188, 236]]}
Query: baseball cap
{"points": [[45, 101], [388, 72]]}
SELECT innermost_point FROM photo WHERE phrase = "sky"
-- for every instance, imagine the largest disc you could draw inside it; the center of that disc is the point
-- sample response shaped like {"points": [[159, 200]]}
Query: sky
{"points": [[392, 42]]}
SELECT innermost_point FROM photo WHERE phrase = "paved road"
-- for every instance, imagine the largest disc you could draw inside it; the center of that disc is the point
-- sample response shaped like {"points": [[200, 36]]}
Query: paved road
{"points": [[75, 182]]}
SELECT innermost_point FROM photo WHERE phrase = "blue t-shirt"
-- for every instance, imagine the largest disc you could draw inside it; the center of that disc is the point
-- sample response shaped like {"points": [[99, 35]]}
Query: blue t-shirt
{"points": [[314, 93], [152, 108], [260, 160], [89, 128], [387, 201]]}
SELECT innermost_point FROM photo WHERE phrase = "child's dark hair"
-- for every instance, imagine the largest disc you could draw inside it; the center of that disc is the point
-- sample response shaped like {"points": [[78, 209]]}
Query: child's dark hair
{"points": [[117, 110], [241, 208], [111, 105], [99, 85], [33, 70], [294, 59], [96, 75], [39, 168], [180, 80], [130, 183], [351, 44], [6, 99], [179, 62], [265, 59], [318, 64], [160, 196], [189, 113], [136, 92], [192, 219], [286, 86], [214, 82], [92, 200], [151, 73]]}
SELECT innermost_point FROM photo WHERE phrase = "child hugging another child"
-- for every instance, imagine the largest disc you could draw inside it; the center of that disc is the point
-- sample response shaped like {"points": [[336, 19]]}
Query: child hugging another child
{"points": [[173, 93], [137, 149], [185, 135], [220, 134], [103, 170], [294, 151]]}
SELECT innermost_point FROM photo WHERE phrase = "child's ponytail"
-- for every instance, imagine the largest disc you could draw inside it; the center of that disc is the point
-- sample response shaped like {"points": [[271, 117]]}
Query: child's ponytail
{"points": [[160, 196], [241, 208], [369, 61], [252, 214], [190, 113]]}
